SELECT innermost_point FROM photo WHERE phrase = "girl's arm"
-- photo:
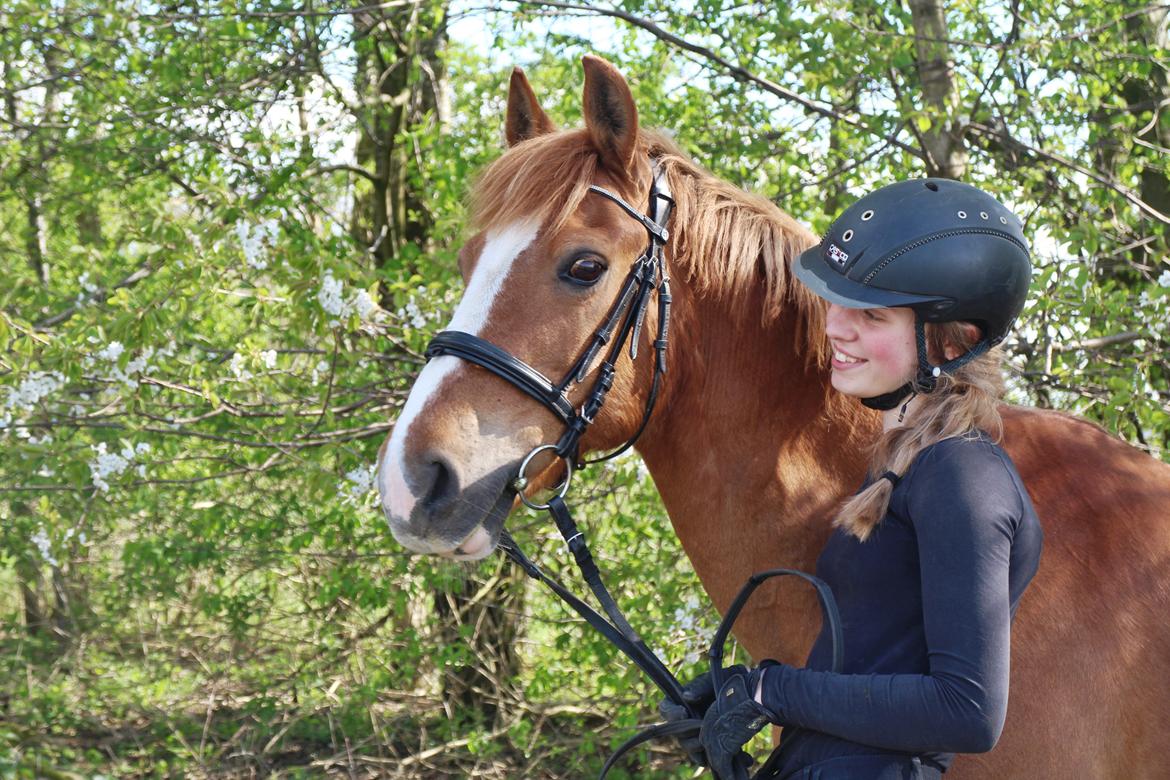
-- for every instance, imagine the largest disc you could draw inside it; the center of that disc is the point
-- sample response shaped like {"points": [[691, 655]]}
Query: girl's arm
{"points": [[965, 515]]}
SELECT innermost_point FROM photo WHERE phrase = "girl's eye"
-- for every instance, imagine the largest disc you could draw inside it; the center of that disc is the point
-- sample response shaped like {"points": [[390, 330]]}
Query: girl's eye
{"points": [[871, 314], [586, 270]]}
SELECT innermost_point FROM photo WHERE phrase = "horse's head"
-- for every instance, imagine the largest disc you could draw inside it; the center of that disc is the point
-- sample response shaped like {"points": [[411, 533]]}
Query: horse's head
{"points": [[541, 273]]}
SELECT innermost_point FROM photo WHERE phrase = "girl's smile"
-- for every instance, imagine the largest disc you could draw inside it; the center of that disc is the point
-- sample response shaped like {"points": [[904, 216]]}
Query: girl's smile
{"points": [[842, 361]]}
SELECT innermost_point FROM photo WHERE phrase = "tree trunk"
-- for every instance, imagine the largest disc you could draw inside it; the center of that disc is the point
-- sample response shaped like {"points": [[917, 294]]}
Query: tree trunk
{"points": [[1153, 29], [401, 83], [946, 151], [482, 613]]}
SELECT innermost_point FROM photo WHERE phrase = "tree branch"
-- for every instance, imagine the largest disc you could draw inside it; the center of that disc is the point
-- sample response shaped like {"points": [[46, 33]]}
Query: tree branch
{"points": [[1008, 141], [1100, 341]]}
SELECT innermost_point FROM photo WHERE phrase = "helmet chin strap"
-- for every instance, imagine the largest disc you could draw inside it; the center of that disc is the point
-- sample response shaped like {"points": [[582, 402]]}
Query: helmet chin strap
{"points": [[926, 376]]}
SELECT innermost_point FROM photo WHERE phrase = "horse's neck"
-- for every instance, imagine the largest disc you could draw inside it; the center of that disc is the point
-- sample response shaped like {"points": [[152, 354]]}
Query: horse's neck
{"points": [[750, 462]]}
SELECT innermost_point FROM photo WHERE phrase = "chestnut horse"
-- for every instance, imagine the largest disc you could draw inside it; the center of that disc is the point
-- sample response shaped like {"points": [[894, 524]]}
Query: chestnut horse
{"points": [[748, 445]]}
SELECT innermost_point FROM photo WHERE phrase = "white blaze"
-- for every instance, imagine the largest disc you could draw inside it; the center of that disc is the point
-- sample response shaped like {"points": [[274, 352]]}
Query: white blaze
{"points": [[500, 251]]}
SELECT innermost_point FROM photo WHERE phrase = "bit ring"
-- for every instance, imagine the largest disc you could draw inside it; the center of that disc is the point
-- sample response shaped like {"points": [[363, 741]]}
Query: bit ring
{"points": [[521, 481]]}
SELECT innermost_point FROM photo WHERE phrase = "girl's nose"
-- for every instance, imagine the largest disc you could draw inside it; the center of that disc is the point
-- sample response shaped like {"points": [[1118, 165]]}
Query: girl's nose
{"points": [[837, 321]]}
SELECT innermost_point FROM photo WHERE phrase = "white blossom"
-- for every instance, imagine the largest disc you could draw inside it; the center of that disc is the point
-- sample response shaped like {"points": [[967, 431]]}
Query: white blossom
{"points": [[1164, 279], [108, 464], [41, 540], [363, 304], [111, 351], [330, 296], [358, 484], [33, 388], [238, 368], [412, 314], [690, 629], [322, 367], [89, 289], [254, 239], [269, 358]]}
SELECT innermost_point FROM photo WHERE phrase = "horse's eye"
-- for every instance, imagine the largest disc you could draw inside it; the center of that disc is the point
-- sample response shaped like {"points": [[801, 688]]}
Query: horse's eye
{"points": [[586, 270]]}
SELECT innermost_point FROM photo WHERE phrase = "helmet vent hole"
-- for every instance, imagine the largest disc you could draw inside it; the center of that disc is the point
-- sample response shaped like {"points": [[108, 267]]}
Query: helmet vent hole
{"points": [[932, 186], [867, 216], [1003, 220], [962, 215], [983, 214], [848, 234]]}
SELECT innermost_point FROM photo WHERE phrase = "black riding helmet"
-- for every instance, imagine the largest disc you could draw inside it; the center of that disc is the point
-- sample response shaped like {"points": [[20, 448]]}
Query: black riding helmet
{"points": [[945, 249]]}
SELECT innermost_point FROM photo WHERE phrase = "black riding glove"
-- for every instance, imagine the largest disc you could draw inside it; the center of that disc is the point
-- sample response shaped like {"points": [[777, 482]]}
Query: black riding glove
{"points": [[733, 719], [698, 693]]}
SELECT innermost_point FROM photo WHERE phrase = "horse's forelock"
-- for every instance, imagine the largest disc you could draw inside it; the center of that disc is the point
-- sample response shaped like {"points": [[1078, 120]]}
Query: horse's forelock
{"points": [[544, 178]]}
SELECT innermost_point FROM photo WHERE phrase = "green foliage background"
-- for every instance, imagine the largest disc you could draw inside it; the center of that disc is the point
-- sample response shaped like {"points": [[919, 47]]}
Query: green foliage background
{"points": [[199, 359]]}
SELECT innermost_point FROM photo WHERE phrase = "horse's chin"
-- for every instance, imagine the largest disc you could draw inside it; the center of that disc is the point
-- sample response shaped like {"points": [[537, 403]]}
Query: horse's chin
{"points": [[474, 544], [478, 545]]}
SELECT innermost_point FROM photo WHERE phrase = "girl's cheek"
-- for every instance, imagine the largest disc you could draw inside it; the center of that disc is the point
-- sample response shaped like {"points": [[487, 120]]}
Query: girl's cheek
{"points": [[896, 353]]}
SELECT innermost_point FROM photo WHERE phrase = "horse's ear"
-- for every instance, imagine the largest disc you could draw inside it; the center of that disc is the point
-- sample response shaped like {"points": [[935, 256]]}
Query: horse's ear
{"points": [[525, 118], [610, 114]]}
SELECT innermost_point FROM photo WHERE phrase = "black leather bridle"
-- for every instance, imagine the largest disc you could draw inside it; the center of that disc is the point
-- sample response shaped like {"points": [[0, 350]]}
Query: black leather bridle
{"points": [[623, 323]]}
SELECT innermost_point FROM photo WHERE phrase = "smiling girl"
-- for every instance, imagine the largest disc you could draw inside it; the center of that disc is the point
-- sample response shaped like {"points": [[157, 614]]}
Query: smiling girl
{"points": [[929, 559]]}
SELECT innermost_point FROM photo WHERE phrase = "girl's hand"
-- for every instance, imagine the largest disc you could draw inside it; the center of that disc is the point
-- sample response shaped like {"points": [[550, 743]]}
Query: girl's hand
{"points": [[732, 719]]}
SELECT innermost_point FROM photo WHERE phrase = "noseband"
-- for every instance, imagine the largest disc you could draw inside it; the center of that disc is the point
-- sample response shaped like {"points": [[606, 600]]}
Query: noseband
{"points": [[623, 323]]}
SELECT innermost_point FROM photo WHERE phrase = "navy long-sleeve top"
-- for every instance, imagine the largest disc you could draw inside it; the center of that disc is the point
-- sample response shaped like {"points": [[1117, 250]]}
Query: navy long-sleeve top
{"points": [[926, 605]]}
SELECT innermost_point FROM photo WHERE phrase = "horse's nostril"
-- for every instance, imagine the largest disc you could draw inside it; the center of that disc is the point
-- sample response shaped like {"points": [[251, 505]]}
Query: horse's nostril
{"points": [[440, 484]]}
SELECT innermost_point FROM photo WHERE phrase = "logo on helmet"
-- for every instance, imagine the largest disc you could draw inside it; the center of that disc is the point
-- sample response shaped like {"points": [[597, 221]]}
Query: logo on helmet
{"points": [[837, 255]]}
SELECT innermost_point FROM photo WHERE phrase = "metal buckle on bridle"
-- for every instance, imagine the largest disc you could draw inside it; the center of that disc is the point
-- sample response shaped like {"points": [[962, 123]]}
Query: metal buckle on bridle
{"points": [[521, 481]]}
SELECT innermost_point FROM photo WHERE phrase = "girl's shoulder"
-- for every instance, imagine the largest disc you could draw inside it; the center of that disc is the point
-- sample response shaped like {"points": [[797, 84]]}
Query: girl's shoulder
{"points": [[967, 470], [974, 449]]}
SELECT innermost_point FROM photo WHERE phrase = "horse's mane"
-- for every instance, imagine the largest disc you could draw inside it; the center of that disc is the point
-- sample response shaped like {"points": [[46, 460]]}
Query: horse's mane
{"points": [[723, 239]]}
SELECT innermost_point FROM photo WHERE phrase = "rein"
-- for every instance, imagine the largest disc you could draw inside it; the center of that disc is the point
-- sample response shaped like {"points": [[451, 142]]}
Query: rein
{"points": [[623, 323]]}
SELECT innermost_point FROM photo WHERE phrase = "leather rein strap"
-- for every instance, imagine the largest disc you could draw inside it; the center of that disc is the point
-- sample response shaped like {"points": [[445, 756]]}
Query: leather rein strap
{"points": [[691, 726]]}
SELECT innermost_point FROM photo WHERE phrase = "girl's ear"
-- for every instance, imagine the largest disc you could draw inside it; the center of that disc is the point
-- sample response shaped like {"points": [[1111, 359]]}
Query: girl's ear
{"points": [[971, 335]]}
